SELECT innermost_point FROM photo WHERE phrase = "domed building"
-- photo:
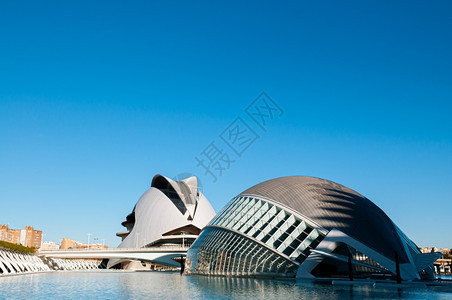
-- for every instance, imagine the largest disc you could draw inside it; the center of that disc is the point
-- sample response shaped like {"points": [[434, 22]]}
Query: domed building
{"points": [[169, 214], [305, 227]]}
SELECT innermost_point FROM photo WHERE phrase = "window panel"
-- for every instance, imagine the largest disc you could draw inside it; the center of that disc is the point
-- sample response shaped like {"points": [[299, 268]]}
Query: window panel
{"points": [[233, 254]]}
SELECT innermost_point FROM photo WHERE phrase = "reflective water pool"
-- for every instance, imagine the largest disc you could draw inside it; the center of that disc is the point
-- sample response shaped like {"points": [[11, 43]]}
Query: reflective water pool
{"points": [[162, 285]]}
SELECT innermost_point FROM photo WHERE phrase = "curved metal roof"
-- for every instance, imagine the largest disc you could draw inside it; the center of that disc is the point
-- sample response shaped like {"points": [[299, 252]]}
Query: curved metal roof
{"points": [[332, 205]]}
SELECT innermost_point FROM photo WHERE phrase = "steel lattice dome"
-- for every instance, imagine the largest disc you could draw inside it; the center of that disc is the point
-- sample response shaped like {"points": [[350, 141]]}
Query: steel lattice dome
{"points": [[332, 205]]}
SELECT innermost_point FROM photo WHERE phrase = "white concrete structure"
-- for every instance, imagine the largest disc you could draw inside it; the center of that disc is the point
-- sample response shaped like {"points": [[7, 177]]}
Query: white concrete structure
{"points": [[12, 262], [74, 264], [68, 259], [169, 214]]}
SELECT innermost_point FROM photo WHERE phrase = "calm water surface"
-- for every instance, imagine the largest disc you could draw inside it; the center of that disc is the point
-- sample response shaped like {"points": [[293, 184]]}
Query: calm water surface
{"points": [[162, 285]]}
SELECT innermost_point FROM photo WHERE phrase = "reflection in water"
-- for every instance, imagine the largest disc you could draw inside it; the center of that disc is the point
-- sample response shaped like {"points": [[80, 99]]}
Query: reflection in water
{"points": [[161, 285]]}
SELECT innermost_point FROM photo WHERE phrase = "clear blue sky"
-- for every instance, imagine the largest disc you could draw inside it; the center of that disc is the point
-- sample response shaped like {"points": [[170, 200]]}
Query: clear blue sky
{"points": [[98, 97]]}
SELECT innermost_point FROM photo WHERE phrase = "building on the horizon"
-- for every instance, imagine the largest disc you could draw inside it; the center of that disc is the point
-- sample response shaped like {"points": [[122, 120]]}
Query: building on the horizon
{"points": [[306, 227], [67, 243], [428, 249], [435, 249], [28, 237], [170, 214], [49, 246], [445, 251]]}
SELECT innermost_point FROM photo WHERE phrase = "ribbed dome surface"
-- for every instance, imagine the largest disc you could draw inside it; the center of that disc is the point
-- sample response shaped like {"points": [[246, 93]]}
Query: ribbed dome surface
{"points": [[332, 205]]}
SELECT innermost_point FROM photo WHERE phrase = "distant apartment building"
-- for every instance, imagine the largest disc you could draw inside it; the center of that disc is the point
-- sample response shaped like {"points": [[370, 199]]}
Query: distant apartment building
{"points": [[428, 249], [28, 237], [49, 246], [67, 243], [445, 251]]}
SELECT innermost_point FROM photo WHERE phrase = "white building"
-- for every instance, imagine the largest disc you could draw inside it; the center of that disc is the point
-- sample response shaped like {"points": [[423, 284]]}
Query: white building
{"points": [[49, 246], [169, 214]]}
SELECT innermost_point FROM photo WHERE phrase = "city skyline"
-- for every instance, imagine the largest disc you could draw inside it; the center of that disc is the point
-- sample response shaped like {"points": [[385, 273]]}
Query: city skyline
{"points": [[95, 101]]}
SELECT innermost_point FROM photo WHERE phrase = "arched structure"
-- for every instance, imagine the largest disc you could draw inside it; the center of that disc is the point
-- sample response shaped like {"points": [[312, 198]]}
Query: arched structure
{"points": [[16, 262], [170, 213], [305, 227]]}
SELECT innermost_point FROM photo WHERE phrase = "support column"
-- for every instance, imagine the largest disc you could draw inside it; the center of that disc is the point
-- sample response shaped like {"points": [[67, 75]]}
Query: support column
{"points": [[182, 264], [399, 278], [350, 266]]}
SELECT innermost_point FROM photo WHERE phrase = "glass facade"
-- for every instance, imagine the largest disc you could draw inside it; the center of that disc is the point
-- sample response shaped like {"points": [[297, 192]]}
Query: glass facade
{"points": [[222, 252], [252, 236]]}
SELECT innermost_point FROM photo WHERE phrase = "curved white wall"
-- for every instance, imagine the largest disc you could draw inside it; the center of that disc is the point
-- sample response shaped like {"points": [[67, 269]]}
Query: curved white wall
{"points": [[156, 214]]}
